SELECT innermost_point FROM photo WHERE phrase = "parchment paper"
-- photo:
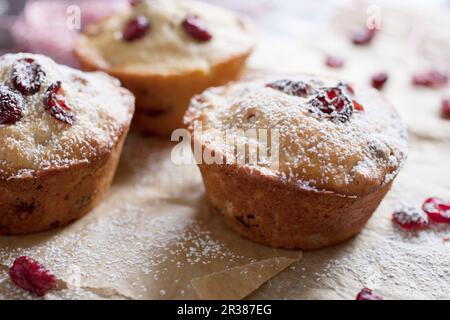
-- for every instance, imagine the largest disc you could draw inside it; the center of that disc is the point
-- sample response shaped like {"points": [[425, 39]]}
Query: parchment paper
{"points": [[395, 264], [154, 238]]}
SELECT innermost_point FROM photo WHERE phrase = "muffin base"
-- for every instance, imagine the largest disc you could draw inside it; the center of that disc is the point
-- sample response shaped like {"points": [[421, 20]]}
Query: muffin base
{"points": [[56, 197], [162, 100], [269, 211]]}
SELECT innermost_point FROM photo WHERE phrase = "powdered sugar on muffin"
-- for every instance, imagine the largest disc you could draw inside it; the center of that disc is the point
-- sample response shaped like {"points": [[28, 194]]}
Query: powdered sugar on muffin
{"points": [[352, 147], [165, 46], [100, 109]]}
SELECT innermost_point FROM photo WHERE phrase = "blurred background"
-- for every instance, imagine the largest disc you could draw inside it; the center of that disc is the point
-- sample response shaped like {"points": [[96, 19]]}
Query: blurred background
{"points": [[39, 25]]}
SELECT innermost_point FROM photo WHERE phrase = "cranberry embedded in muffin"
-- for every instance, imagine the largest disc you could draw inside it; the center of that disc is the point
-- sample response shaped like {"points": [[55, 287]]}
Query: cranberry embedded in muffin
{"points": [[61, 135], [339, 149], [165, 52]]}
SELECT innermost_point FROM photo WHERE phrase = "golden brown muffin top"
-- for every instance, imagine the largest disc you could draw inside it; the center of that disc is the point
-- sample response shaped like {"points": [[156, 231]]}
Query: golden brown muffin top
{"points": [[53, 116], [332, 136], [162, 45]]}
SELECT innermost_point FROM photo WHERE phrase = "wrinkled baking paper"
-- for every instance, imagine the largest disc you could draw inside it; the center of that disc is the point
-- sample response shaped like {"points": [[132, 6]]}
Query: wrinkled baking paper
{"points": [[154, 238], [395, 264]]}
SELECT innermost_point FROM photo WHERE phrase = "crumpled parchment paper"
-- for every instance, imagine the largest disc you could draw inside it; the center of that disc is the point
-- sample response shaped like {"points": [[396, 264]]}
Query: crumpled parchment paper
{"points": [[154, 238]]}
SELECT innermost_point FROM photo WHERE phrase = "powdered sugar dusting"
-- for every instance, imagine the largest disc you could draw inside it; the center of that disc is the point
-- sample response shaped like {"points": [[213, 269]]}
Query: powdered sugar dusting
{"points": [[354, 157], [101, 110], [151, 235]]}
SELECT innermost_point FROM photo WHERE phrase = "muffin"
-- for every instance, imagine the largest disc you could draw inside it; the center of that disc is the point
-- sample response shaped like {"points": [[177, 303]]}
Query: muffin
{"points": [[165, 52], [331, 155], [61, 135]]}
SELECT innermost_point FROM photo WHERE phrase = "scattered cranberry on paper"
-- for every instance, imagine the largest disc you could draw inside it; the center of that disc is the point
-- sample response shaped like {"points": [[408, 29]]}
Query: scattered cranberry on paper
{"points": [[437, 210], [430, 79], [378, 80], [31, 276], [367, 294], [445, 108], [364, 37], [334, 62], [409, 218]]}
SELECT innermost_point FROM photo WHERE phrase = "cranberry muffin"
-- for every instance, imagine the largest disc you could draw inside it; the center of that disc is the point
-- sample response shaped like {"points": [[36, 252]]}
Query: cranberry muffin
{"points": [[61, 135], [333, 151], [165, 52]]}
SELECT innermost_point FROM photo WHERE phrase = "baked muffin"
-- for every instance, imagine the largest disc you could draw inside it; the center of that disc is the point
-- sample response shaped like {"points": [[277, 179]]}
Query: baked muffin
{"points": [[61, 135], [165, 52], [333, 152]]}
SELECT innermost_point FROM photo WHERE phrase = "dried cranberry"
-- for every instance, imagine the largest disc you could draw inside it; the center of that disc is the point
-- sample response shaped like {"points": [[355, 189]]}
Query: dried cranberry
{"points": [[27, 76], [363, 37], [134, 3], [334, 62], [357, 106], [430, 79], [332, 103], [367, 294], [347, 87], [31, 276], [136, 28], [410, 218], [293, 88], [11, 106], [445, 108], [55, 104], [378, 80], [437, 210], [196, 28]]}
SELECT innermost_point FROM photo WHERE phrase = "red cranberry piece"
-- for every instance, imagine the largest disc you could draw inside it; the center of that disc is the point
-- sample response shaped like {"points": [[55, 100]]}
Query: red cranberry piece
{"points": [[134, 3], [357, 106], [31, 276], [293, 88], [55, 104], [196, 28], [347, 87], [410, 218], [332, 103], [334, 62], [430, 79], [11, 106], [27, 76], [136, 28], [367, 294], [363, 37], [437, 210], [378, 80], [445, 108]]}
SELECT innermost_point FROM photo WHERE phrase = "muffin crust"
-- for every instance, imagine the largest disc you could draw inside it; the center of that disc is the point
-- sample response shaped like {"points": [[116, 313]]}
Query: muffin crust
{"points": [[167, 67], [333, 169], [53, 172]]}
